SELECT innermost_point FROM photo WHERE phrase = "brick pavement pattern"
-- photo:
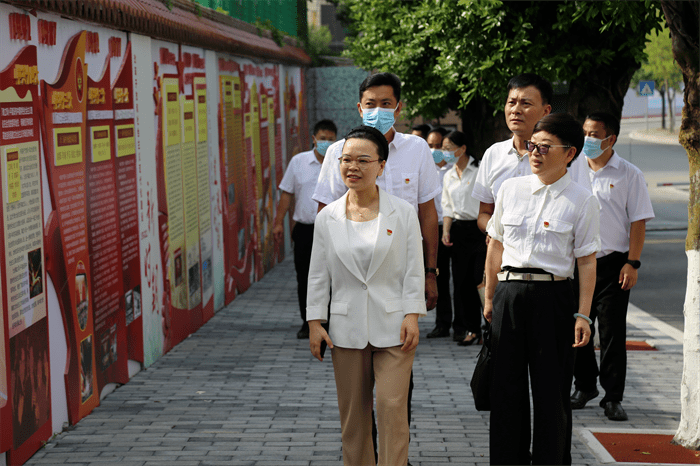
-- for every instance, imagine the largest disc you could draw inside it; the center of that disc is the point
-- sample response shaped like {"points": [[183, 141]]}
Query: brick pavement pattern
{"points": [[244, 391]]}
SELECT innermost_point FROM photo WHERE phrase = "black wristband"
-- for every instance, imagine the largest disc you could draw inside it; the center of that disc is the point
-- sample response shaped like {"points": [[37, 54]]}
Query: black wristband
{"points": [[635, 264]]}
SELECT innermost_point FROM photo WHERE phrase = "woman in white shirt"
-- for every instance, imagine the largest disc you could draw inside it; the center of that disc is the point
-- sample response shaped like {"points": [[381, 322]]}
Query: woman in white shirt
{"points": [[367, 248], [461, 233], [542, 226]]}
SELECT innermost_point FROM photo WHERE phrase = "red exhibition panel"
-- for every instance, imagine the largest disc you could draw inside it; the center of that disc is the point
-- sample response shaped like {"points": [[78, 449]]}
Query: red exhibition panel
{"points": [[25, 386], [108, 304], [237, 215], [199, 88], [125, 165], [66, 235]]}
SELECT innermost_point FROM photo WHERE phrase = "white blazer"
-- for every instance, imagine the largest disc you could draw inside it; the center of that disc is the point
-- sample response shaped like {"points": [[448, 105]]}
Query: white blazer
{"points": [[371, 309]]}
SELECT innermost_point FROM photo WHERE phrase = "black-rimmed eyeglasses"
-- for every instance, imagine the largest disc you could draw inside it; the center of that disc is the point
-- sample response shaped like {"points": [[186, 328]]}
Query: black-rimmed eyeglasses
{"points": [[542, 149]]}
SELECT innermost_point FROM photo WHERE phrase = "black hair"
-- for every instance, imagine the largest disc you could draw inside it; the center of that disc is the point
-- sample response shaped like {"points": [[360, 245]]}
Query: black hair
{"points": [[440, 130], [530, 79], [424, 130], [327, 125], [372, 135], [565, 127], [382, 79], [459, 139], [612, 124]]}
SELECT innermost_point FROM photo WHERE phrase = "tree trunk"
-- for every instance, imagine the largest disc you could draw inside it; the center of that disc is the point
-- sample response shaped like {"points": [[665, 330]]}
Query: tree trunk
{"points": [[662, 91], [602, 89], [671, 111], [482, 127], [683, 19]]}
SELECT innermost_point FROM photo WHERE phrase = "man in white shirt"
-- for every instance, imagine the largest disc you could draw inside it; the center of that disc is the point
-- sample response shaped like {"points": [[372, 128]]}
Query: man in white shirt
{"points": [[529, 99], [443, 309], [299, 182], [625, 206], [409, 172]]}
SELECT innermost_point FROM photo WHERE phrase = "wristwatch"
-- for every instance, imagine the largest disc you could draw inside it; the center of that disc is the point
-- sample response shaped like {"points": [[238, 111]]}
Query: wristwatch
{"points": [[432, 270], [634, 264]]}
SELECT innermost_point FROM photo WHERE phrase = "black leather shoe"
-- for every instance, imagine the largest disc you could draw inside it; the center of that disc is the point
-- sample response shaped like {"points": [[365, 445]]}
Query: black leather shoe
{"points": [[614, 411], [475, 338], [459, 336], [303, 333], [579, 398], [439, 332]]}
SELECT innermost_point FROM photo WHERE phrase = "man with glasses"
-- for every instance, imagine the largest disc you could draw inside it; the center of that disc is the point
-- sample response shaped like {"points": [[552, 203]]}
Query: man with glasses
{"points": [[625, 208], [529, 97], [409, 173]]}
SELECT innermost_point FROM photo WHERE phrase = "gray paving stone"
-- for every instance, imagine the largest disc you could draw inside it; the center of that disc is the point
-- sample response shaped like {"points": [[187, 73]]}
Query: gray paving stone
{"points": [[267, 402]]}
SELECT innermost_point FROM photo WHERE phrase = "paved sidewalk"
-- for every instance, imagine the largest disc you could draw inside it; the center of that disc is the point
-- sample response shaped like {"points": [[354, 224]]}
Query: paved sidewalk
{"points": [[244, 391]]}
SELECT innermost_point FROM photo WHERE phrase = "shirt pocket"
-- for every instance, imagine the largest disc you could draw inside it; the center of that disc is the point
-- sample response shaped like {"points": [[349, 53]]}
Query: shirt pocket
{"points": [[556, 235], [393, 305], [339, 307], [513, 229], [409, 187]]}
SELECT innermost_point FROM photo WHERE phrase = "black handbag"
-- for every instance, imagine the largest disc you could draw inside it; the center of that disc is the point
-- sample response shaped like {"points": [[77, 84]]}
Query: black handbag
{"points": [[481, 379]]}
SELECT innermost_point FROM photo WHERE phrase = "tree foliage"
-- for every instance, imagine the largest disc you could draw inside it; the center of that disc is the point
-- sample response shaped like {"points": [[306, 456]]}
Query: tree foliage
{"points": [[659, 65], [453, 53], [318, 45], [661, 68]]}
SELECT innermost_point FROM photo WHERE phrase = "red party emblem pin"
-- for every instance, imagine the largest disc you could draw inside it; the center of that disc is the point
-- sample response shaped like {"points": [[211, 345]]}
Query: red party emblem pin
{"points": [[546, 224], [612, 185], [389, 232], [407, 180]]}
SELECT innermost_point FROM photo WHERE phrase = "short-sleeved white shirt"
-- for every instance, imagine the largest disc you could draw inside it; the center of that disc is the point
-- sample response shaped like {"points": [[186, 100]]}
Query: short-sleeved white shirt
{"points": [[409, 172], [300, 180], [623, 196], [457, 200], [545, 226], [501, 161], [438, 199]]}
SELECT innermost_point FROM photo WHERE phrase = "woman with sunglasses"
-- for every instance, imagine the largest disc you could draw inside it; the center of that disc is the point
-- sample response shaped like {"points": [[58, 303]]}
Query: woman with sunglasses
{"points": [[543, 226], [367, 248], [461, 233]]}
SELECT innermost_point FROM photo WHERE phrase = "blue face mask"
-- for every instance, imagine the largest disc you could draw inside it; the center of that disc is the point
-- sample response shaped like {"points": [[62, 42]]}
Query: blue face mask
{"points": [[449, 156], [382, 119], [591, 147], [322, 146], [437, 155]]}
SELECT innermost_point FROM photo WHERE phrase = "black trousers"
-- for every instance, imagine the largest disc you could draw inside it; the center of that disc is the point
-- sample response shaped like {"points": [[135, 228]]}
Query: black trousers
{"points": [[443, 310], [609, 307], [303, 237], [532, 329], [468, 258]]}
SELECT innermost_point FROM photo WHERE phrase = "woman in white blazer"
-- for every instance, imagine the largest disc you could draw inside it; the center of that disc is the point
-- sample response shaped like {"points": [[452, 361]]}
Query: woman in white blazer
{"points": [[367, 248]]}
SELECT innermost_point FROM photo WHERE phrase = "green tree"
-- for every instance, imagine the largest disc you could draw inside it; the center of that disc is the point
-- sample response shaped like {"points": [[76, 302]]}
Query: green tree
{"points": [[661, 68], [319, 45], [683, 19], [459, 54]]}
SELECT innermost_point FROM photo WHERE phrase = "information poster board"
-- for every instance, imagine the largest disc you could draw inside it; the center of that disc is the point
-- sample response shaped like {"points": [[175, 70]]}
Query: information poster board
{"points": [[238, 215], [25, 400], [125, 168], [203, 195], [64, 126], [103, 236], [191, 212]]}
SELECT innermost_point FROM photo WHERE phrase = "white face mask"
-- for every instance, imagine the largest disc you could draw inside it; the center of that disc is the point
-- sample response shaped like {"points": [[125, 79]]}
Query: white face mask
{"points": [[381, 119], [592, 147]]}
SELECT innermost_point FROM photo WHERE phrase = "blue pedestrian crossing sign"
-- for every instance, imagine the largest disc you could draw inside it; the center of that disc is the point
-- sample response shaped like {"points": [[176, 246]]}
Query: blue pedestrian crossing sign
{"points": [[646, 88]]}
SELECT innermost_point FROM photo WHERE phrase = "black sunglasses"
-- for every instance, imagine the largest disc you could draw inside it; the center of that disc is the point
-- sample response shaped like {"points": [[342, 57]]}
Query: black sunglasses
{"points": [[541, 148]]}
